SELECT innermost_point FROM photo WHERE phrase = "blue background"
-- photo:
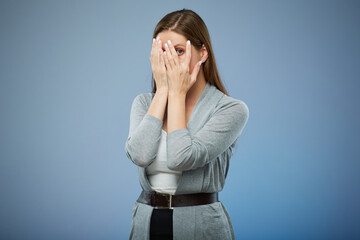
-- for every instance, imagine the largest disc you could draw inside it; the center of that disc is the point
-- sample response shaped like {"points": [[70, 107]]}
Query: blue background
{"points": [[69, 71]]}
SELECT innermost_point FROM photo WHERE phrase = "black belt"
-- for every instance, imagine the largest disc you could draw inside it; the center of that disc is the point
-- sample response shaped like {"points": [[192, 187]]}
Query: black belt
{"points": [[168, 201]]}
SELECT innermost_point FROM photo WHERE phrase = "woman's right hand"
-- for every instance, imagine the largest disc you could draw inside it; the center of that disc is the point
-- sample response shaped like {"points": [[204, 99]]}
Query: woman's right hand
{"points": [[158, 65]]}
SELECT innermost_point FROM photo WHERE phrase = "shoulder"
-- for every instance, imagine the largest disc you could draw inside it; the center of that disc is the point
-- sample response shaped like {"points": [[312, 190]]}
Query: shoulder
{"points": [[232, 106], [230, 103], [228, 113]]}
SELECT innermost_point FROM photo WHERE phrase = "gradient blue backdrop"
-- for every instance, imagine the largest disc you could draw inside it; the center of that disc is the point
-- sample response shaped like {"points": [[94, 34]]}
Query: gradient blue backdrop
{"points": [[69, 71]]}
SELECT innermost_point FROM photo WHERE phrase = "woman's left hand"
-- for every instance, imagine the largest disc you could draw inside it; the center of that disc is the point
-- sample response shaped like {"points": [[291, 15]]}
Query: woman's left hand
{"points": [[180, 80]]}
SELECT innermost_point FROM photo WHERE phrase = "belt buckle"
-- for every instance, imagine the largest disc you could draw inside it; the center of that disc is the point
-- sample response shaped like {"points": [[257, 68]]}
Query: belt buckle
{"points": [[169, 206]]}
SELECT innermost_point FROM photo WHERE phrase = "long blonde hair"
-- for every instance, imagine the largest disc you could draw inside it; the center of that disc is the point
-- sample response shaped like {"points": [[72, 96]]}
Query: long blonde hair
{"points": [[189, 24]]}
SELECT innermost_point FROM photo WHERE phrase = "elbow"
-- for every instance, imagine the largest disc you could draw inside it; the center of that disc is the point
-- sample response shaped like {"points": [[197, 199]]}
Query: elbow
{"points": [[138, 161], [189, 155], [142, 164], [174, 164], [139, 158], [187, 158], [179, 162]]}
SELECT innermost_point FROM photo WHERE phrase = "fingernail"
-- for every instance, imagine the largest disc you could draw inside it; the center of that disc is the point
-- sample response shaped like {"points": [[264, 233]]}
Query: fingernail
{"points": [[159, 42], [157, 38], [166, 45], [188, 42], [153, 40], [169, 42], [165, 52]]}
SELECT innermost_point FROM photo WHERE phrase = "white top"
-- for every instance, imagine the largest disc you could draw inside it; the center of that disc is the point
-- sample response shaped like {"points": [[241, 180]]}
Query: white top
{"points": [[161, 178]]}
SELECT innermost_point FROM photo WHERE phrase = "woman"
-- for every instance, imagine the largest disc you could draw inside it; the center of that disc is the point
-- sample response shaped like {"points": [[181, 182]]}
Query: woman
{"points": [[182, 135]]}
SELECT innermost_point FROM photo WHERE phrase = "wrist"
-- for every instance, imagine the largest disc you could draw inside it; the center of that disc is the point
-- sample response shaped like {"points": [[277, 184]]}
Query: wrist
{"points": [[177, 94], [162, 91]]}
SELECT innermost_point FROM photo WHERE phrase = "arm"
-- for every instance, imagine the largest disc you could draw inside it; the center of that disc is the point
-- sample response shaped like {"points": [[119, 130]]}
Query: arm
{"points": [[145, 127], [145, 130], [179, 82], [187, 152], [176, 112]]}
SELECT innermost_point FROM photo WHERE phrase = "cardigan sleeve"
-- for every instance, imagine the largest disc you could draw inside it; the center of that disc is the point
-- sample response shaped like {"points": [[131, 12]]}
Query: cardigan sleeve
{"points": [[186, 151], [144, 134]]}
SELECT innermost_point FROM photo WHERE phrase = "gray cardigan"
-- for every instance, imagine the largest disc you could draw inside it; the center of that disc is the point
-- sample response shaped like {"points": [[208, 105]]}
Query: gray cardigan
{"points": [[202, 152]]}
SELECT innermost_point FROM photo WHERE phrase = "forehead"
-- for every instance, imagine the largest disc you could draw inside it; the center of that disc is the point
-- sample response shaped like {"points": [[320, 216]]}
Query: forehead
{"points": [[174, 37]]}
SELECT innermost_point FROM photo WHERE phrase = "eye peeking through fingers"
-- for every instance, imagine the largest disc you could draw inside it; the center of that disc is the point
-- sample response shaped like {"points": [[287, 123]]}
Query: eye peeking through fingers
{"points": [[179, 52]]}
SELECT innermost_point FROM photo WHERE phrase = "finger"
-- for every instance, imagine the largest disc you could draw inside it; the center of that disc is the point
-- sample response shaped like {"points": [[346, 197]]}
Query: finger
{"points": [[159, 51], [169, 55], [195, 71], [162, 61], [166, 60], [154, 44], [173, 53], [188, 53], [152, 49], [153, 56]]}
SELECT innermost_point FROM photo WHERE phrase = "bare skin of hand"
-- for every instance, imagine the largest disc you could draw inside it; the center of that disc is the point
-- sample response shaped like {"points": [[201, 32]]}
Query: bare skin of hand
{"points": [[158, 104], [180, 80], [158, 65]]}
